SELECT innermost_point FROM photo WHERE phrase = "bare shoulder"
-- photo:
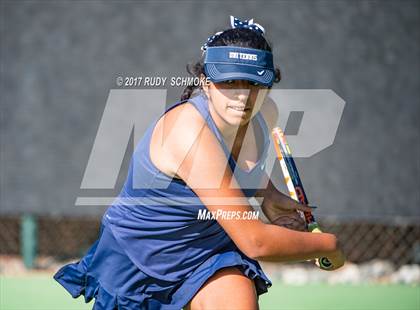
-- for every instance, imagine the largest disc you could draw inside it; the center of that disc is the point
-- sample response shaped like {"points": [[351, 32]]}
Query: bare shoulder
{"points": [[270, 112], [174, 135], [184, 118], [181, 125]]}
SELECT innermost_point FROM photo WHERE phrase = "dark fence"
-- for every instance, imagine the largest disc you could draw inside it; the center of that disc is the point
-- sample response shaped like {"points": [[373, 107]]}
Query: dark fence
{"points": [[64, 237]]}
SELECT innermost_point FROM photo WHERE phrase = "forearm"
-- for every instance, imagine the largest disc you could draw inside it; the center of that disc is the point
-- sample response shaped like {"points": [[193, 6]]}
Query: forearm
{"points": [[271, 198], [282, 244], [266, 191]]}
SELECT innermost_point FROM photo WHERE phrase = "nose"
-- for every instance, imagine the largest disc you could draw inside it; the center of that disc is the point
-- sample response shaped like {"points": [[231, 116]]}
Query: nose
{"points": [[242, 89]]}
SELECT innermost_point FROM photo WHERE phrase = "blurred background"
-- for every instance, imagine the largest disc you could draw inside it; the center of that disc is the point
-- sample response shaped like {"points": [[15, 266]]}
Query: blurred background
{"points": [[59, 61]]}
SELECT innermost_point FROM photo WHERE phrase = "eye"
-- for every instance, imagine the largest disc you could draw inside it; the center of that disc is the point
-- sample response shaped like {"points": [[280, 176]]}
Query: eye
{"points": [[230, 81], [254, 83]]}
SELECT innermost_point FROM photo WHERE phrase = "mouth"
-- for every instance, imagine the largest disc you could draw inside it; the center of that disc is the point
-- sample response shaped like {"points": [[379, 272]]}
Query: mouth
{"points": [[239, 108]]}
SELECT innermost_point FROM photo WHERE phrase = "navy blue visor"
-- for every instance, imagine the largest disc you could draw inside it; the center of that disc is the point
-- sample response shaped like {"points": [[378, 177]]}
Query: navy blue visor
{"points": [[223, 63]]}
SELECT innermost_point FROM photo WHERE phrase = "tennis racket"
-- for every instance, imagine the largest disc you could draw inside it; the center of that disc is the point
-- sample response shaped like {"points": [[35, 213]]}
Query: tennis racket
{"points": [[294, 185]]}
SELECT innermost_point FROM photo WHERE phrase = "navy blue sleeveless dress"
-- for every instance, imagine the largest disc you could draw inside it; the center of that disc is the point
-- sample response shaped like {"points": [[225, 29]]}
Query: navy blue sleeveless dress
{"points": [[152, 251]]}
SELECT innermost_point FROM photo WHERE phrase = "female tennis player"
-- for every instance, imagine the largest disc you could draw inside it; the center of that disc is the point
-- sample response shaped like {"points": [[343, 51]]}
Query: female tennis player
{"points": [[205, 153]]}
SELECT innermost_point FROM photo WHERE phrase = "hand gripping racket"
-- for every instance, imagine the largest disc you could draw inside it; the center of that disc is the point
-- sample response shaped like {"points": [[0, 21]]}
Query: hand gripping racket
{"points": [[294, 184]]}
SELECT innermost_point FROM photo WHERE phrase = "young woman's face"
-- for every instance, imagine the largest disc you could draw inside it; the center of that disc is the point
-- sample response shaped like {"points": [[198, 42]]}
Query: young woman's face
{"points": [[236, 101]]}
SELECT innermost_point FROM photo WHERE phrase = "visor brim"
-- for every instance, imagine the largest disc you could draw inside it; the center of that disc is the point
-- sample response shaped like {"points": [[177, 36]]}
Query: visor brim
{"points": [[222, 72]]}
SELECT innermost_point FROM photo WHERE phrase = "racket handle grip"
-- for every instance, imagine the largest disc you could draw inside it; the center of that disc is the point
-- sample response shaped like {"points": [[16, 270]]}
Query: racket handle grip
{"points": [[321, 262]]}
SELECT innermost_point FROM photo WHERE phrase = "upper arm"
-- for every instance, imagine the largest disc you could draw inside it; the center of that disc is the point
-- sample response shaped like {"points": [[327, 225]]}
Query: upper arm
{"points": [[200, 161]]}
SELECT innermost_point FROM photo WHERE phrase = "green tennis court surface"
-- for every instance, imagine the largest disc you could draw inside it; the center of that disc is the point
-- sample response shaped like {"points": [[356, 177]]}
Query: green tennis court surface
{"points": [[43, 293]]}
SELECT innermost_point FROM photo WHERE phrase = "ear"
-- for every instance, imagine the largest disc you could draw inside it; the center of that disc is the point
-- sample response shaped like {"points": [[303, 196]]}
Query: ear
{"points": [[205, 86]]}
